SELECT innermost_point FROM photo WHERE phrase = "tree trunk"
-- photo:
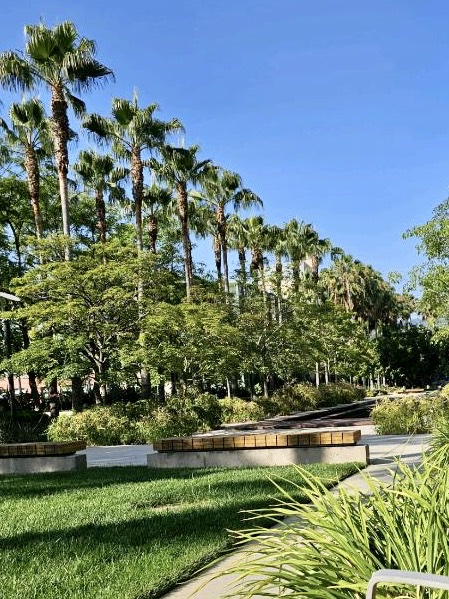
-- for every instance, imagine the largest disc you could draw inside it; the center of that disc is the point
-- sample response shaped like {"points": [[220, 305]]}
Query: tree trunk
{"points": [[152, 232], [315, 267], [32, 171], [242, 273], [278, 281], [228, 389], [221, 228], [265, 387], [31, 374], [145, 387], [187, 246], [295, 275], [60, 134], [137, 192], [10, 375], [77, 394], [217, 256], [100, 208]]}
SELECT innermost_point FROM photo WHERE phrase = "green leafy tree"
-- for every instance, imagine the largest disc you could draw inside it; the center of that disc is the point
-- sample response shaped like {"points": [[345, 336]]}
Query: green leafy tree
{"points": [[79, 314]]}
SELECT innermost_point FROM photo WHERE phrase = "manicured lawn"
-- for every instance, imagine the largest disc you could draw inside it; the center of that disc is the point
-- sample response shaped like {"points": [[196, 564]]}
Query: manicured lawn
{"points": [[124, 533]]}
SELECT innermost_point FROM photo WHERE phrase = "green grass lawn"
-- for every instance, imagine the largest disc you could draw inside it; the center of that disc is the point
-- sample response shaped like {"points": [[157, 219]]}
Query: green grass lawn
{"points": [[124, 533]]}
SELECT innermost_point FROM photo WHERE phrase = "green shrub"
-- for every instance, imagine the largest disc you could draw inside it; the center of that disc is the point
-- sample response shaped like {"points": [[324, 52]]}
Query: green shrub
{"points": [[334, 394], [207, 408], [95, 426], [140, 422], [444, 392], [408, 415], [165, 423], [345, 536], [234, 409], [300, 397]]}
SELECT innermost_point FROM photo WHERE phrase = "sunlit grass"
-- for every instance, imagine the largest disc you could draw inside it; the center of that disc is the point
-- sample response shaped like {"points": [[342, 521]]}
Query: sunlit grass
{"points": [[124, 533]]}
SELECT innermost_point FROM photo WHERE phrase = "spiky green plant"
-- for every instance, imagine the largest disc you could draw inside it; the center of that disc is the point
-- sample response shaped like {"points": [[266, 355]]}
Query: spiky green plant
{"points": [[330, 547]]}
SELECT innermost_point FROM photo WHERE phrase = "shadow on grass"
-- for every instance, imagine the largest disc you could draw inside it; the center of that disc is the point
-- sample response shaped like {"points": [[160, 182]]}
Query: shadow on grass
{"points": [[38, 485]]}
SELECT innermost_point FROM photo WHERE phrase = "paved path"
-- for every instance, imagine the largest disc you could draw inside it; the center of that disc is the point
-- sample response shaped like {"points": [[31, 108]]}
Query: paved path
{"points": [[118, 455], [384, 451]]}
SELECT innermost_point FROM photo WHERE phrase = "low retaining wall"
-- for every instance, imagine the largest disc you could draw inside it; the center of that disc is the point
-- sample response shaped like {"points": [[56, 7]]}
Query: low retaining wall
{"points": [[33, 465], [260, 457]]}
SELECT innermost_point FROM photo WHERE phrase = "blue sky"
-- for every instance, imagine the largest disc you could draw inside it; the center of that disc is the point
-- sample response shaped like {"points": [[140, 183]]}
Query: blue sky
{"points": [[334, 112]]}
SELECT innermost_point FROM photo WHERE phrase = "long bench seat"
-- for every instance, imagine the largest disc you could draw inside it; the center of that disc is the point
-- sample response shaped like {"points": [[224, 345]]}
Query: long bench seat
{"points": [[30, 458], [257, 441], [259, 449]]}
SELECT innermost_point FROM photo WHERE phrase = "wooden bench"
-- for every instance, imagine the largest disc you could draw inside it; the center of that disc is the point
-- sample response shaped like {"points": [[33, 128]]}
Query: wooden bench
{"points": [[257, 441], [41, 448], [43, 456], [259, 449]]}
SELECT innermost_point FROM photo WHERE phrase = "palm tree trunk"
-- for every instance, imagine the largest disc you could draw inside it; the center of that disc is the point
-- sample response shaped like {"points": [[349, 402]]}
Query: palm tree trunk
{"points": [[221, 228], [315, 266], [295, 276], [242, 261], [187, 245], [32, 171], [137, 191], [60, 133], [217, 256], [152, 232], [100, 208], [278, 281]]}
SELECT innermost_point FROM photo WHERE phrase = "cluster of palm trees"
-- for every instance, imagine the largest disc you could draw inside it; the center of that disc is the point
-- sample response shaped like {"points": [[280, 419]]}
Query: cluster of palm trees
{"points": [[196, 190], [165, 186]]}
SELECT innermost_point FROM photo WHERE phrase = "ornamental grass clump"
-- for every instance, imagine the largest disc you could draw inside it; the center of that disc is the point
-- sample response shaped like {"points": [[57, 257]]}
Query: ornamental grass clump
{"points": [[330, 547]]}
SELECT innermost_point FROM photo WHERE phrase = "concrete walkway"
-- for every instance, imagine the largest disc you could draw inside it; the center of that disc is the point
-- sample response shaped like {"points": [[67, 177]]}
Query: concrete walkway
{"points": [[117, 455], [384, 451]]}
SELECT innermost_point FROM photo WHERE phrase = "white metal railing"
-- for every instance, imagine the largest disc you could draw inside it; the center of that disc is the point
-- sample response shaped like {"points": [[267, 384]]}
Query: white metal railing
{"points": [[433, 581]]}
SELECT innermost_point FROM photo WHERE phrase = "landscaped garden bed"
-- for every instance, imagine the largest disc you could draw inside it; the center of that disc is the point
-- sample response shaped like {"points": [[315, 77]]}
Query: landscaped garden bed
{"points": [[128, 532]]}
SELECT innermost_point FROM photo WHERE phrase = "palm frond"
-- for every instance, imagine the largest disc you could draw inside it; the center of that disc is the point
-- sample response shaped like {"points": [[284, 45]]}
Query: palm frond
{"points": [[15, 72]]}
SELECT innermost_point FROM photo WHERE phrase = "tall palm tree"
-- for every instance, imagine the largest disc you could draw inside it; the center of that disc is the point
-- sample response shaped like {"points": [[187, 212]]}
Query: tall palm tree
{"points": [[345, 282], [29, 134], [64, 63], [179, 168], [225, 188], [100, 175], [237, 232], [278, 245], [301, 241], [132, 131], [156, 202], [258, 241], [318, 249]]}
